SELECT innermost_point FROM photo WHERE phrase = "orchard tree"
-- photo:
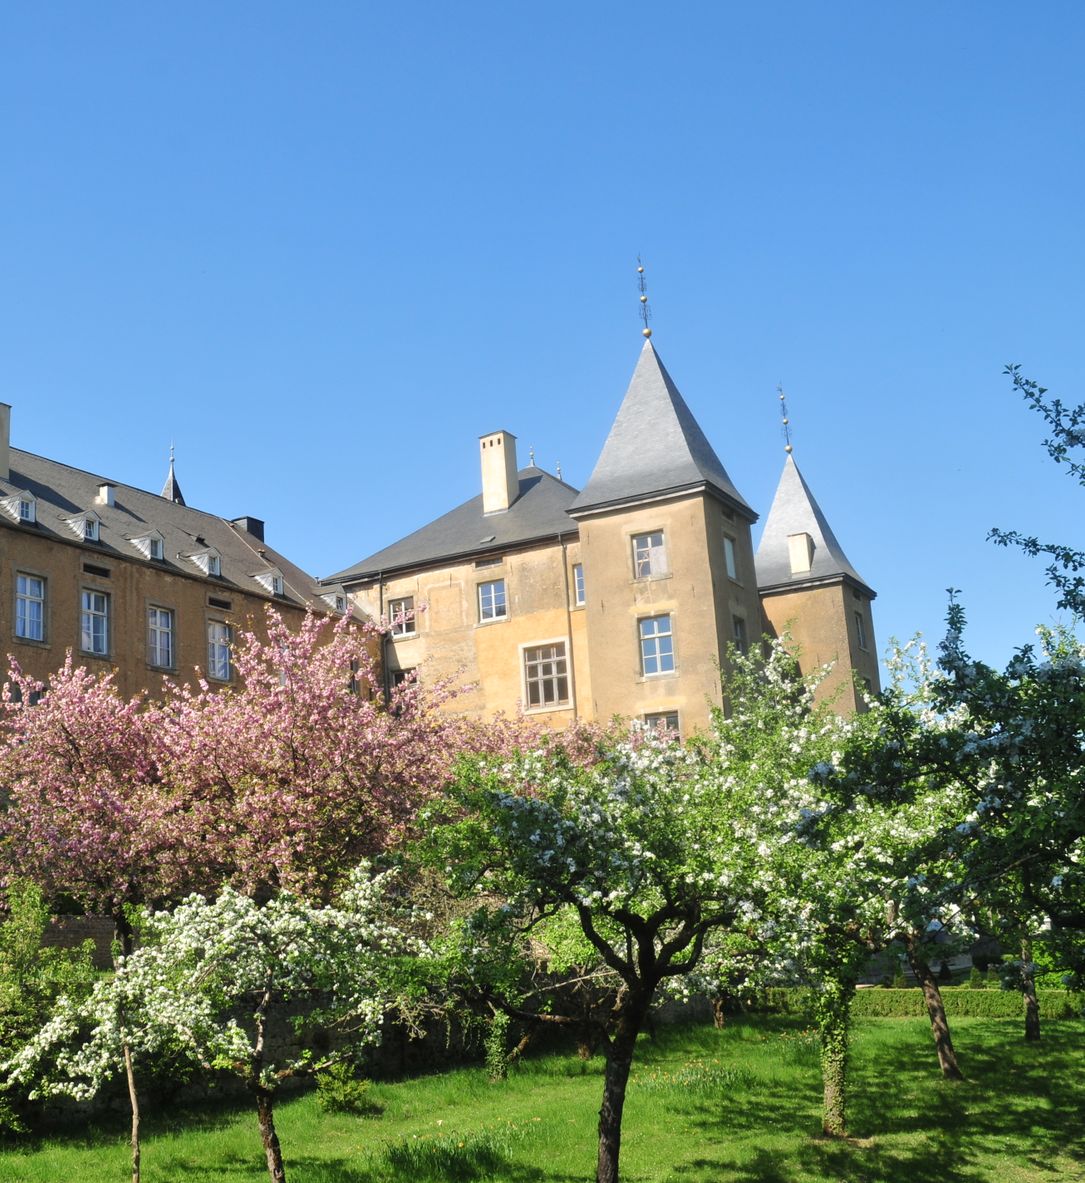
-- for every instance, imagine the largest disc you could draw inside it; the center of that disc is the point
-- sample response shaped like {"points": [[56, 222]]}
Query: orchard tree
{"points": [[303, 768], [227, 981], [1023, 844], [636, 849]]}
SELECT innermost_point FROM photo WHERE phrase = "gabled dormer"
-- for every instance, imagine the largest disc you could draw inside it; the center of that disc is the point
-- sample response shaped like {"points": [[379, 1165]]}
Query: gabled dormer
{"points": [[271, 580], [86, 526], [21, 507], [151, 545], [207, 559]]}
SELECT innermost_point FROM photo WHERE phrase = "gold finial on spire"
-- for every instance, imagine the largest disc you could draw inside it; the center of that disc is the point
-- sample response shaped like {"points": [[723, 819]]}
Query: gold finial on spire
{"points": [[645, 311], [784, 416]]}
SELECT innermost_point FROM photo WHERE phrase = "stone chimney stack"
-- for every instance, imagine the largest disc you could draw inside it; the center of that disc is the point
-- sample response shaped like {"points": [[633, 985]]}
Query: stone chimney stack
{"points": [[5, 440], [500, 485]]}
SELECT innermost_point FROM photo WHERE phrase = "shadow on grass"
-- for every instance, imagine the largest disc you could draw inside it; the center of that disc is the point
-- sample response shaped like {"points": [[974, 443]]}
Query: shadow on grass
{"points": [[1020, 1103]]}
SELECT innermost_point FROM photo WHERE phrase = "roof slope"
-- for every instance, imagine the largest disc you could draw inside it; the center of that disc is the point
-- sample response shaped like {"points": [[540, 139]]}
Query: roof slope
{"points": [[539, 511], [63, 492], [795, 511], [655, 446]]}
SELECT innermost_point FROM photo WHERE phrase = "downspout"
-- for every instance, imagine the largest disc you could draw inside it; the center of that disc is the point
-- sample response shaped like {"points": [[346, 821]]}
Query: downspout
{"points": [[384, 636], [569, 623]]}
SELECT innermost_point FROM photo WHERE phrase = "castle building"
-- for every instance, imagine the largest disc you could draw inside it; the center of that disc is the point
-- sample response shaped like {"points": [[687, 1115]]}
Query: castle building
{"points": [[621, 598], [128, 580]]}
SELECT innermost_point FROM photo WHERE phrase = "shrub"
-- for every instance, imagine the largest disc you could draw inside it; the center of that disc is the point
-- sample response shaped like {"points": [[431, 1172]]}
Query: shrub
{"points": [[960, 1001], [339, 1090]]}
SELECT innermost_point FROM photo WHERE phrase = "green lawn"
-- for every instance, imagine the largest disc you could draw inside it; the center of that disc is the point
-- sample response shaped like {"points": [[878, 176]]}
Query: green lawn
{"points": [[704, 1106]]}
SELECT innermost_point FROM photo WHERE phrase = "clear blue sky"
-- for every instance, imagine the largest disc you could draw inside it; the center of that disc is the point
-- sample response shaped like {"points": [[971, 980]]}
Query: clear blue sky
{"points": [[324, 247]]}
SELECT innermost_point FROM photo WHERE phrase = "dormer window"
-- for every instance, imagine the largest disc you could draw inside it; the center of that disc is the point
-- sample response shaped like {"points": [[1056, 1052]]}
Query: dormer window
{"points": [[272, 580], [335, 598], [23, 507], [85, 526], [151, 545], [208, 560]]}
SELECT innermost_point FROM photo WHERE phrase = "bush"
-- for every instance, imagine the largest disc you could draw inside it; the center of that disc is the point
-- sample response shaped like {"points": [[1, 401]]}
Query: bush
{"points": [[339, 1090]]}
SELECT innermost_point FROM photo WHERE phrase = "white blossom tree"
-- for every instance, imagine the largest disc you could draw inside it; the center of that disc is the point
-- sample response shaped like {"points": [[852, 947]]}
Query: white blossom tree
{"points": [[228, 981]]}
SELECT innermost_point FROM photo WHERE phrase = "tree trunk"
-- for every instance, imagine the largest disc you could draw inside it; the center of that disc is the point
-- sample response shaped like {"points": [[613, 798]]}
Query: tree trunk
{"points": [[936, 1009], [123, 936], [619, 1063], [264, 1103], [719, 1011], [834, 1011], [1028, 989]]}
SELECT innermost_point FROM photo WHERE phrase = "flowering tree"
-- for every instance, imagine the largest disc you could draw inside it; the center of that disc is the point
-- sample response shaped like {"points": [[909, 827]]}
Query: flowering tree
{"points": [[303, 769], [636, 852], [221, 979], [87, 818], [1023, 844]]}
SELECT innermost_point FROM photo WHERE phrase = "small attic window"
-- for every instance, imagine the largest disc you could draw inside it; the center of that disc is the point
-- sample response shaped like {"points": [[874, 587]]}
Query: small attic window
{"points": [[22, 507], [272, 580], [85, 526], [151, 545], [335, 598], [208, 561]]}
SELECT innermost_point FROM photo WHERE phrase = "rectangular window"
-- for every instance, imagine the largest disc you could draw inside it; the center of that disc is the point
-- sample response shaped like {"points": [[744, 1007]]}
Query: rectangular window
{"points": [[578, 583], [90, 529], [401, 616], [649, 555], [860, 630], [160, 637], [155, 549], [94, 623], [491, 600], [214, 565], [546, 675], [656, 645], [662, 721], [30, 607], [26, 510], [218, 650], [729, 558], [738, 633]]}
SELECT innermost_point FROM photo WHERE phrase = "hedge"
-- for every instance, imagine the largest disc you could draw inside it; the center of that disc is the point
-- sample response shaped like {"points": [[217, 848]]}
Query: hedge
{"points": [[879, 1002]]}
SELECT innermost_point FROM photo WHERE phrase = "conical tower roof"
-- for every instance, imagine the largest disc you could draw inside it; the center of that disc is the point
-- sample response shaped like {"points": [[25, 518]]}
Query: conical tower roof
{"points": [[171, 490], [795, 511], [655, 447]]}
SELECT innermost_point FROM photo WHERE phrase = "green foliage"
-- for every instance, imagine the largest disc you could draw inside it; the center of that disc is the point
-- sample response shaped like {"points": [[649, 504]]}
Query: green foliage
{"points": [[32, 977], [340, 1090], [977, 980], [497, 1058]]}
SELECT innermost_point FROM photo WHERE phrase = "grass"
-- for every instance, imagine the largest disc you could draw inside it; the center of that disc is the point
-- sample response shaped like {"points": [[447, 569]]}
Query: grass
{"points": [[704, 1106]]}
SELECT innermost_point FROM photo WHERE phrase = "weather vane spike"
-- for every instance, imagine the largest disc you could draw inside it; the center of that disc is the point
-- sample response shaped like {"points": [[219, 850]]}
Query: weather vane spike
{"points": [[531, 455], [784, 416], [645, 311], [559, 470]]}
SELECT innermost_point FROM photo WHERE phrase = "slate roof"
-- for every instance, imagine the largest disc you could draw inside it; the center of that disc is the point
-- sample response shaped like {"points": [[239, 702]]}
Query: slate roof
{"points": [[795, 511], [539, 511], [655, 447], [62, 492]]}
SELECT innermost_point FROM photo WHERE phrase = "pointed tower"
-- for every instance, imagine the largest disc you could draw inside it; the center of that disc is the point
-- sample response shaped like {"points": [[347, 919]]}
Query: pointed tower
{"points": [[171, 490], [667, 560], [810, 590]]}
